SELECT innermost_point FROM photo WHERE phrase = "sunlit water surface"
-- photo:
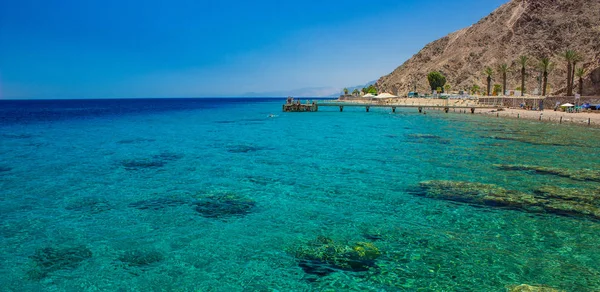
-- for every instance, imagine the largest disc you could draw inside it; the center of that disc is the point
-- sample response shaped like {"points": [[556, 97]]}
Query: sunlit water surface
{"points": [[101, 195]]}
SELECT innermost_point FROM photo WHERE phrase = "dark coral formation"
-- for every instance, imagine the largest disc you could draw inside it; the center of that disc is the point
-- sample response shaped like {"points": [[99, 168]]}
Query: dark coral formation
{"points": [[141, 258], [224, 205], [555, 200], [246, 148], [49, 259], [5, 168], [579, 174], [539, 141], [424, 137], [323, 256], [159, 203], [136, 140], [144, 163], [91, 205], [155, 161], [567, 201], [167, 156]]}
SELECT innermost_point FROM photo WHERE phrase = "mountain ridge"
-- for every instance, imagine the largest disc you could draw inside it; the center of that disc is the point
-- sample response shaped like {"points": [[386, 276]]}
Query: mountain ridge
{"points": [[535, 28]]}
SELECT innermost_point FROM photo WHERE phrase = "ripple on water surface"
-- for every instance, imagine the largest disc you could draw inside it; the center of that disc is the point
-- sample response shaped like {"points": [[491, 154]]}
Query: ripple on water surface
{"points": [[218, 197]]}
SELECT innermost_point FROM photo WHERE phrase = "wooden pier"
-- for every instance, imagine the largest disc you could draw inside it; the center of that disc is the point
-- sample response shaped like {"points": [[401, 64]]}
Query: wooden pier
{"points": [[314, 106]]}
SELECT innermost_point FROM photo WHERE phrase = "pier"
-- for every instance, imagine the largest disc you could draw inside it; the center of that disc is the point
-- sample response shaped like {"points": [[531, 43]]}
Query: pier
{"points": [[367, 105]]}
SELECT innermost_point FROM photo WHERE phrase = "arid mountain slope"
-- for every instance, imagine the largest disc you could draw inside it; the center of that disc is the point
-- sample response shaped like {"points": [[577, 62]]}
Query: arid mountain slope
{"points": [[535, 28]]}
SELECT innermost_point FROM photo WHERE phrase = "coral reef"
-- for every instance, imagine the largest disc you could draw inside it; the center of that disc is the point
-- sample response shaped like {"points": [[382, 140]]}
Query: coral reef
{"points": [[323, 256], [582, 203], [530, 288], [91, 205], [580, 174], [141, 258], [144, 163], [246, 148], [159, 203], [224, 205], [155, 161], [49, 259]]}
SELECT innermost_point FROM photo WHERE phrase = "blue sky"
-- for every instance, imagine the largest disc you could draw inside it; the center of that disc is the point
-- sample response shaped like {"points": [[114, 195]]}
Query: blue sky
{"points": [[185, 48]]}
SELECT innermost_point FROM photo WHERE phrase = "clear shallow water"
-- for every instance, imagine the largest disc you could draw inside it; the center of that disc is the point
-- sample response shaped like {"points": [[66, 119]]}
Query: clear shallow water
{"points": [[116, 178]]}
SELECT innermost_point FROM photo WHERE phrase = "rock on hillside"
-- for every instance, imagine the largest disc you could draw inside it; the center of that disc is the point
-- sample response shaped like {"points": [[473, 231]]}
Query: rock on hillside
{"points": [[535, 28]]}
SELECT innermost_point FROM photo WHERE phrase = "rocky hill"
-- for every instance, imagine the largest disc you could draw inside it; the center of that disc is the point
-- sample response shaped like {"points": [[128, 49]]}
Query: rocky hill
{"points": [[535, 28]]}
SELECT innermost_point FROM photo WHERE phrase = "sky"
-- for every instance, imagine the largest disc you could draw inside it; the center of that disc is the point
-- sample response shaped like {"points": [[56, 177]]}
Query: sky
{"points": [[186, 48]]}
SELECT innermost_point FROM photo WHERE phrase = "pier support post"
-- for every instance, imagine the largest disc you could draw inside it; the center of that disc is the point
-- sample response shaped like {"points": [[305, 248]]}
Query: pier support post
{"points": [[472, 110], [420, 109], [446, 109], [393, 109], [341, 108], [368, 109]]}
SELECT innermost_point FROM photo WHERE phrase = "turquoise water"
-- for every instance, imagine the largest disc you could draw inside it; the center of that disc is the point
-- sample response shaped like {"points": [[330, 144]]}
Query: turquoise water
{"points": [[102, 196]]}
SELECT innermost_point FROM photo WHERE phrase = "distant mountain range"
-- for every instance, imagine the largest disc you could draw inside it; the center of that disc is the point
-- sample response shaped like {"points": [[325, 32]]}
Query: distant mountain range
{"points": [[359, 87], [307, 92]]}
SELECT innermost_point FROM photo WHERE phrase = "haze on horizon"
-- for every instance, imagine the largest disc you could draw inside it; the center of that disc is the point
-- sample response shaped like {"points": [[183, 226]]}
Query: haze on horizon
{"points": [[184, 48]]}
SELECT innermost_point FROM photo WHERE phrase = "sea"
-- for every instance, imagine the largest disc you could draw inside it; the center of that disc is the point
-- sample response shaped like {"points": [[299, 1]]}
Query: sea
{"points": [[235, 195]]}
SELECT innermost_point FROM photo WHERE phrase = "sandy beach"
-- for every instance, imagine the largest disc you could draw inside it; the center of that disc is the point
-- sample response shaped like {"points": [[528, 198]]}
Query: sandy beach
{"points": [[582, 118]]}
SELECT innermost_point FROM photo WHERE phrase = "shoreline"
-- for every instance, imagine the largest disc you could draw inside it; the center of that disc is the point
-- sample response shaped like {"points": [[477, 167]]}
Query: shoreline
{"points": [[585, 119]]}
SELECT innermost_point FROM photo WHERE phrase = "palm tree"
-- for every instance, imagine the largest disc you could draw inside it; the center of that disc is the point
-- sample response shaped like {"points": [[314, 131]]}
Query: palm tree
{"points": [[345, 91], [523, 60], [569, 56], [576, 59], [579, 73], [545, 66], [489, 72], [355, 92], [503, 68]]}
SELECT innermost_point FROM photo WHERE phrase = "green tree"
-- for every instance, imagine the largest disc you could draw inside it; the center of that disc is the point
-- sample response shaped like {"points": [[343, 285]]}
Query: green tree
{"points": [[570, 56], [436, 79], [523, 60], [475, 89], [546, 66], [371, 89], [503, 69], [355, 92], [447, 88], [489, 72], [497, 88], [345, 91], [579, 73]]}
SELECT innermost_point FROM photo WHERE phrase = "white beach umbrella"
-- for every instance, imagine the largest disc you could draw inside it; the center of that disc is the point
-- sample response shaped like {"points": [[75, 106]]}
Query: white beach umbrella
{"points": [[385, 95], [368, 95], [567, 105]]}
